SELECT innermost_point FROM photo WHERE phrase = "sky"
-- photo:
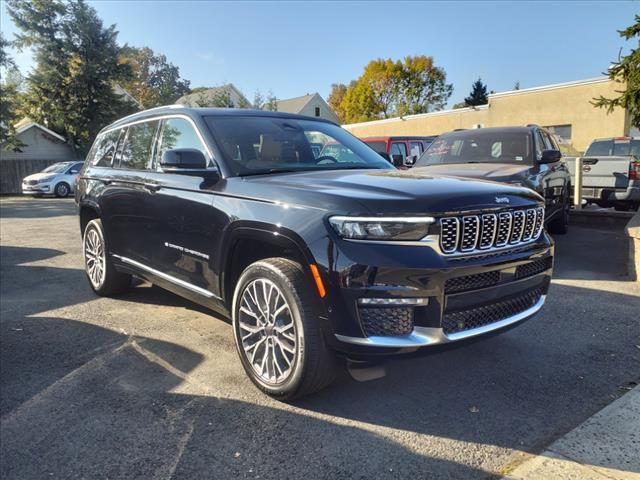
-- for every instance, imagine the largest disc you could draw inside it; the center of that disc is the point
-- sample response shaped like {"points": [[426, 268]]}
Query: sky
{"points": [[295, 48]]}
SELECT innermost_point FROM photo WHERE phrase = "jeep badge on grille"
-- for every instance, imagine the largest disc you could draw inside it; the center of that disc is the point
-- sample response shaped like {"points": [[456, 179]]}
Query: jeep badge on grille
{"points": [[502, 200]]}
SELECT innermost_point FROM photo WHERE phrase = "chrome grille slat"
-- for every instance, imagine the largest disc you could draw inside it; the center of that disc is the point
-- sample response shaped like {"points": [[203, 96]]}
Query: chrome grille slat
{"points": [[476, 233]]}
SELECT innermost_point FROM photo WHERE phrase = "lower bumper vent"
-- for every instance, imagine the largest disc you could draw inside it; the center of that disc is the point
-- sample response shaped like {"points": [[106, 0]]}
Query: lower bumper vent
{"points": [[534, 268], [462, 320], [387, 321]]}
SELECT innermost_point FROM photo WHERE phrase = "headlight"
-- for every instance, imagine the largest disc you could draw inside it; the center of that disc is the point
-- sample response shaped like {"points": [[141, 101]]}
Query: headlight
{"points": [[381, 228], [45, 179]]}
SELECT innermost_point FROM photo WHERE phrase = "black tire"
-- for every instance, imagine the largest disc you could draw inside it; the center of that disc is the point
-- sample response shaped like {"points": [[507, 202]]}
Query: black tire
{"points": [[62, 190], [313, 365], [560, 224], [110, 282], [621, 207]]}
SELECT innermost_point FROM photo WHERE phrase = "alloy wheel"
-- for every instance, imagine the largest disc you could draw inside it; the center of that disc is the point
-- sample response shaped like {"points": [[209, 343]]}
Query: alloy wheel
{"points": [[267, 331], [94, 257]]}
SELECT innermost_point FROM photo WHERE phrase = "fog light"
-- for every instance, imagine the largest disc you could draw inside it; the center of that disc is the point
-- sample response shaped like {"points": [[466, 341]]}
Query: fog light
{"points": [[394, 301]]}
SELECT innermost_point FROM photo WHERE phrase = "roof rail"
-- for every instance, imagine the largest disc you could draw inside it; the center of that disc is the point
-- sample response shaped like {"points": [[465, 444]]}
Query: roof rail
{"points": [[532, 125], [175, 105], [460, 129]]}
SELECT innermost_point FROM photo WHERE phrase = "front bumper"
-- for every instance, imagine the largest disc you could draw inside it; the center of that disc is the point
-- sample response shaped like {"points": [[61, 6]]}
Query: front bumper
{"points": [[37, 189], [608, 194], [459, 298]]}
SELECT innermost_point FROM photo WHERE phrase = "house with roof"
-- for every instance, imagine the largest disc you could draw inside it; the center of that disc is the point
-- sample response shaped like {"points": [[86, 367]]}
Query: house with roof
{"points": [[40, 143], [312, 105]]}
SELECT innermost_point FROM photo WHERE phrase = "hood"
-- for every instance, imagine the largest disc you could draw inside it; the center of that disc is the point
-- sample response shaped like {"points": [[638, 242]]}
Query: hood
{"points": [[40, 176], [386, 191], [496, 172]]}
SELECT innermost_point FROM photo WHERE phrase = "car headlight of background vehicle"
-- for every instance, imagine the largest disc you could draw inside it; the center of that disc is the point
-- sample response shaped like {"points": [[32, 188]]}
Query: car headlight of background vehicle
{"points": [[46, 179], [381, 228]]}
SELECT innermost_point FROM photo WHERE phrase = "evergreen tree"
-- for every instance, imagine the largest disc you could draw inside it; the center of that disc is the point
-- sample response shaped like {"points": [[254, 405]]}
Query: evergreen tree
{"points": [[8, 100], [478, 95], [70, 89], [626, 72]]}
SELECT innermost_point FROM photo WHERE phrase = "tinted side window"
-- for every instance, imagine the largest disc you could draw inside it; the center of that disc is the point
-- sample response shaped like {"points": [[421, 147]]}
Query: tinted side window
{"points": [[105, 149], [602, 147], [138, 145], [179, 133], [399, 149]]}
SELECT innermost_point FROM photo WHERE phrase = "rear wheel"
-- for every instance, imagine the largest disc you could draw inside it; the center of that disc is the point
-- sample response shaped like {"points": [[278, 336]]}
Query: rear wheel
{"points": [[62, 190], [104, 279], [277, 331]]}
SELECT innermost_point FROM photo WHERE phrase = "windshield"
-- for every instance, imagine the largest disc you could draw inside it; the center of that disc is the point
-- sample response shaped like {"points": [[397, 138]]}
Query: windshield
{"points": [[258, 145], [57, 167], [478, 146]]}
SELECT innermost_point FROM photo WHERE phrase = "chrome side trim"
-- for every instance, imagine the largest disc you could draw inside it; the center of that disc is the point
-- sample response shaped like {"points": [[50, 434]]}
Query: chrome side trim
{"points": [[426, 336], [168, 278]]}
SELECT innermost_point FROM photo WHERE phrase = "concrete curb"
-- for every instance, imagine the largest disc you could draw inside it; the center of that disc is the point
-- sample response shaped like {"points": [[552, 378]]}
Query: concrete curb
{"points": [[596, 218], [633, 232], [606, 446]]}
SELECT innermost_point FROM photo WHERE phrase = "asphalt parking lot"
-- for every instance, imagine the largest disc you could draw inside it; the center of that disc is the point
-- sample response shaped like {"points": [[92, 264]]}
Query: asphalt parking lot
{"points": [[149, 385]]}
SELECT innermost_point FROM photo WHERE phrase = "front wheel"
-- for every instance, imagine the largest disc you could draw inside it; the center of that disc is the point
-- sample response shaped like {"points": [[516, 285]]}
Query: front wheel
{"points": [[104, 279], [62, 190], [277, 330]]}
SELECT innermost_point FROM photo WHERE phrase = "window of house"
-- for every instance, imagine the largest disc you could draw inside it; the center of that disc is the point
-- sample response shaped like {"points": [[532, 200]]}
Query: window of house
{"points": [[561, 132], [138, 145], [317, 111]]}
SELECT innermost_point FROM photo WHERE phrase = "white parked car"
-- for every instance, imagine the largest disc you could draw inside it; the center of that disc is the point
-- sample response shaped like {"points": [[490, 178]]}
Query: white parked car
{"points": [[58, 179]]}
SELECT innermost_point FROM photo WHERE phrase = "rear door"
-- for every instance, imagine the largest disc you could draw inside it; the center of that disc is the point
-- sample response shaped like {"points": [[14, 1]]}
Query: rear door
{"points": [[605, 164], [126, 198]]}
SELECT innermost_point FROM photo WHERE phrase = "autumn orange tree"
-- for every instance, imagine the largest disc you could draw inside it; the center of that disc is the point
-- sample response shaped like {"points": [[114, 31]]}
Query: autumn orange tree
{"points": [[389, 88]]}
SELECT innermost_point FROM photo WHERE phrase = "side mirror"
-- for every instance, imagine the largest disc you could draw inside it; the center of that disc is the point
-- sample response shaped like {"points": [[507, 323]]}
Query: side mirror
{"points": [[183, 159], [397, 160], [386, 156], [550, 156]]}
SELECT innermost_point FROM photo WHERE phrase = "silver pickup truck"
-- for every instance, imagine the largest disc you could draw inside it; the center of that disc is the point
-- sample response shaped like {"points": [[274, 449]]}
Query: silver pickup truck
{"points": [[611, 173]]}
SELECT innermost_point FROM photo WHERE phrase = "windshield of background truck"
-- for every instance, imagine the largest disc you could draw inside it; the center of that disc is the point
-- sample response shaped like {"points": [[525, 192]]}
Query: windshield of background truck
{"points": [[479, 146]]}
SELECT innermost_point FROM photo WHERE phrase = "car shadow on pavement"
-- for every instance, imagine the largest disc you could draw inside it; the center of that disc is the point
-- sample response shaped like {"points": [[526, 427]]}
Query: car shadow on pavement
{"points": [[588, 253], [36, 207], [114, 415], [535, 382]]}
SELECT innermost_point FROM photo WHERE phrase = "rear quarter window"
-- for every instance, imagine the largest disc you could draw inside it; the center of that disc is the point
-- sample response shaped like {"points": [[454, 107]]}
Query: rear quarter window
{"points": [[104, 150]]}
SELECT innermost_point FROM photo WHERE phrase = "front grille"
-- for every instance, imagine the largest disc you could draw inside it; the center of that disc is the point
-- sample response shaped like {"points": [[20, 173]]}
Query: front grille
{"points": [[472, 282], [454, 322], [534, 268], [387, 321], [470, 233], [31, 182]]}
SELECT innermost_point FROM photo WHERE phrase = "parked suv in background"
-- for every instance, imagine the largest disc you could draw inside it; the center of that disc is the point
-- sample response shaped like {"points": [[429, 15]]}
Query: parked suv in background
{"points": [[527, 156], [313, 259], [611, 173], [400, 151], [58, 179]]}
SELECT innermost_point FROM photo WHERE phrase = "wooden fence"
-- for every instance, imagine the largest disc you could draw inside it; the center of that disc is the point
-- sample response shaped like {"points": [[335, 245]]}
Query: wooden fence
{"points": [[13, 171]]}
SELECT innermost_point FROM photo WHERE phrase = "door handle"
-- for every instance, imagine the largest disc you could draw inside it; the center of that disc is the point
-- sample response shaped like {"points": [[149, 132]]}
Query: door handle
{"points": [[152, 187]]}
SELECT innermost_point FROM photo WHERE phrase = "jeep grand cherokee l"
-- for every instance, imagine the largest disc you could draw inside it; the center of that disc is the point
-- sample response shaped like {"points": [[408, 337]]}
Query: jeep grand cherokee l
{"points": [[313, 259]]}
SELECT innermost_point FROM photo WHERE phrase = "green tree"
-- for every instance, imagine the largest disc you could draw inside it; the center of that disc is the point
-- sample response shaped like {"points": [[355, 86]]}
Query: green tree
{"points": [[626, 72], [8, 100], [271, 102], [423, 86], [478, 95], [258, 100], [155, 81], [77, 62]]}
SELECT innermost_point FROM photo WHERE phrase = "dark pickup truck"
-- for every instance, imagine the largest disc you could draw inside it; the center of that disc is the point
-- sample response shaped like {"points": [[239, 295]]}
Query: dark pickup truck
{"points": [[526, 156]]}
